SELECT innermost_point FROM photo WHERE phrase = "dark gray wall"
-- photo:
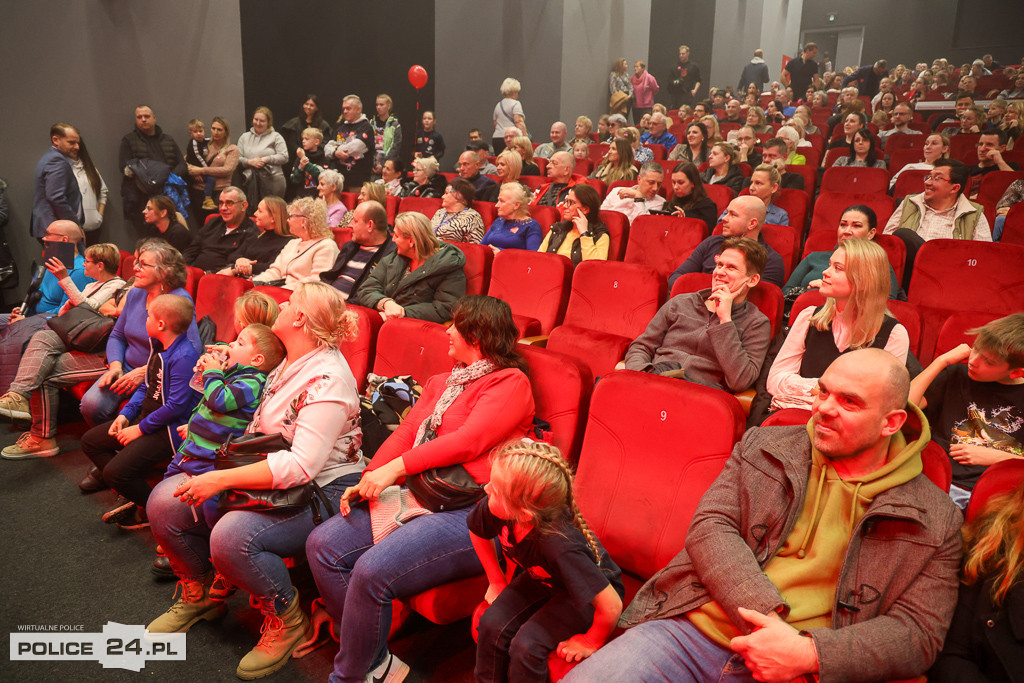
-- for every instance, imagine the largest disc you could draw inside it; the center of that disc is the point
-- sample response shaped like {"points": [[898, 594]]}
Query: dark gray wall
{"points": [[910, 31], [89, 63]]}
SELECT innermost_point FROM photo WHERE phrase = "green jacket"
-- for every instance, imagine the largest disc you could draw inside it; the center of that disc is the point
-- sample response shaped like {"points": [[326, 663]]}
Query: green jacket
{"points": [[427, 293], [964, 222]]}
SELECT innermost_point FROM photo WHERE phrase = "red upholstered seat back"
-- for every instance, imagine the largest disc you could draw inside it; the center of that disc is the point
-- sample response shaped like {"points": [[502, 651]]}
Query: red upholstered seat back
{"points": [[428, 206], [652, 447], [953, 275], [546, 216], [127, 268], [720, 195], [619, 298], [561, 392], [535, 285], [215, 297], [954, 331], [487, 212], [663, 242], [406, 346], [1000, 478], [991, 189], [278, 294], [477, 267], [192, 278], [830, 207], [854, 179], [341, 235], [618, 233], [359, 352], [910, 182]]}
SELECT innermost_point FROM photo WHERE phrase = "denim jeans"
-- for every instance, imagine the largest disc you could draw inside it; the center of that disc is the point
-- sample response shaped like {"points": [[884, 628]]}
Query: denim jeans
{"points": [[671, 650], [247, 547], [358, 580], [99, 404]]}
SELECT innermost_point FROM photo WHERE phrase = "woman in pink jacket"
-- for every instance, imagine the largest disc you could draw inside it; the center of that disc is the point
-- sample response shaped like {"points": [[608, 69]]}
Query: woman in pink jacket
{"points": [[645, 87]]}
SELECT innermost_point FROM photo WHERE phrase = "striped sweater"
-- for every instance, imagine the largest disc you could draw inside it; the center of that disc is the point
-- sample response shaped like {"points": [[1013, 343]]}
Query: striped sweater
{"points": [[229, 400]]}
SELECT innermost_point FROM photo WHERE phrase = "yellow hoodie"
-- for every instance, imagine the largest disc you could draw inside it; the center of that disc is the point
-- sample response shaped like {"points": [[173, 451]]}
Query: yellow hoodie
{"points": [[806, 567]]}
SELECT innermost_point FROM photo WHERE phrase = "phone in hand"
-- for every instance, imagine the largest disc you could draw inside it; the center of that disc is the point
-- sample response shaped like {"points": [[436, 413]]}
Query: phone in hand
{"points": [[64, 251]]}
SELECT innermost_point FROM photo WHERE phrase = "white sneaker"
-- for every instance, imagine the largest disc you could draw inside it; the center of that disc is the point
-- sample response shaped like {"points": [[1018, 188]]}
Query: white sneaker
{"points": [[391, 670]]}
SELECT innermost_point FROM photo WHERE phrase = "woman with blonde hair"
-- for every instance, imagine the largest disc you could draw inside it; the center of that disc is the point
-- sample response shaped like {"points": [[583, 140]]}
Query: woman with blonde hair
{"points": [[714, 132], [514, 228], [854, 316], [508, 113], [509, 165], [983, 642], [523, 145], [311, 401], [422, 279], [303, 259], [369, 191], [581, 130], [617, 164]]}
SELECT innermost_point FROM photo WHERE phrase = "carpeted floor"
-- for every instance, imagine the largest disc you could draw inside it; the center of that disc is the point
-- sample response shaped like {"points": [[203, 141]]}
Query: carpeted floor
{"points": [[63, 566]]}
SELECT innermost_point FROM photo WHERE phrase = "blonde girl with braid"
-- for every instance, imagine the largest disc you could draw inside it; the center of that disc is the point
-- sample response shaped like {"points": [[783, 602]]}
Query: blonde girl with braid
{"points": [[566, 593]]}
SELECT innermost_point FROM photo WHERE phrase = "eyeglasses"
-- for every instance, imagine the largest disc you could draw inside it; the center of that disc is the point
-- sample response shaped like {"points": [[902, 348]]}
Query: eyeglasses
{"points": [[139, 265], [295, 215], [935, 178], [229, 202]]}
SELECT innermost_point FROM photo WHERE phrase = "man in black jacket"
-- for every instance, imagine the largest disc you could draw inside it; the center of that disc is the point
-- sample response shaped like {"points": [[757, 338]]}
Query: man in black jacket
{"points": [[146, 141], [221, 234], [369, 244]]}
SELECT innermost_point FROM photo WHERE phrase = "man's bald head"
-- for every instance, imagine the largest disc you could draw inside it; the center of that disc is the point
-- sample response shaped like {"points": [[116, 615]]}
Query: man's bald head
{"points": [[65, 229], [560, 167], [883, 372], [744, 217]]}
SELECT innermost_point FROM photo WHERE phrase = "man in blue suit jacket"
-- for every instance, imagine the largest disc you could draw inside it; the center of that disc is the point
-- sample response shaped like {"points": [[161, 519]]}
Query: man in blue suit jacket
{"points": [[57, 196]]}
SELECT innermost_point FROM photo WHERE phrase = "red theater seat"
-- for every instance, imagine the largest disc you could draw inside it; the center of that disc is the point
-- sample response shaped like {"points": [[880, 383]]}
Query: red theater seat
{"points": [[999, 478], [478, 266], [536, 287], [1013, 229], [215, 297], [341, 235], [829, 208], [954, 330], [359, 351], [546, 216], [991, 189], [910, 182], [634, 476], [278, 294], [192, 278], [663, 242], [720, 195], [610, 305], [954, 275], [854, 179], [406, 346], [428, 206], [126, 271], [487, 212], [618, 233], [392, 208]]}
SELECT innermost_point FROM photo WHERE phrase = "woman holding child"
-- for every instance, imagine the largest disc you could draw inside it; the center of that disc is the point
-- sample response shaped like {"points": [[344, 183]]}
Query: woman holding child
{"points": [[311, 400]]}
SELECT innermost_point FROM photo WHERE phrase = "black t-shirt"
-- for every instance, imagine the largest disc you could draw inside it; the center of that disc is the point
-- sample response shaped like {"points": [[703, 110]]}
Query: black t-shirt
{"points": [[560, 559], [978, 170], [429, 144], [800, 74], [989, 414]]}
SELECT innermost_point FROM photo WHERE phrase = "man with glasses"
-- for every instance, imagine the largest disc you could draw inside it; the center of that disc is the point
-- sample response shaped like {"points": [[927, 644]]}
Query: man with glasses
{"points": [[222, 233], [640, 199], [560, 174], [902, 114], [51, 295], [941, 211]]}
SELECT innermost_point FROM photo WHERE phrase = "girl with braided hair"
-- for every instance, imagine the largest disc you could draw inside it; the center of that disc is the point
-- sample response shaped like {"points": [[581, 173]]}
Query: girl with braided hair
{"points": [[566, 594]]}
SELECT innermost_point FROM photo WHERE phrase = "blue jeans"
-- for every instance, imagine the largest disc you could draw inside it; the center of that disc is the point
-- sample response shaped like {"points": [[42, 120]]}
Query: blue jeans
{"points": [[99, 404], [997, 228], [247, 547], [672, 650], [358, 580]]}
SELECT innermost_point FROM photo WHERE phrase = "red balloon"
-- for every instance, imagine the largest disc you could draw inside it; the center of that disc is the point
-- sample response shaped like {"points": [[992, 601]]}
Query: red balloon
{"points": [[417, 76]]}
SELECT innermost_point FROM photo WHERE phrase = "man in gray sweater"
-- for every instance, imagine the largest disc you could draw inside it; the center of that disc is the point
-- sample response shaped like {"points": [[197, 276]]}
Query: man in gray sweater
{"points": [[715, 336]]}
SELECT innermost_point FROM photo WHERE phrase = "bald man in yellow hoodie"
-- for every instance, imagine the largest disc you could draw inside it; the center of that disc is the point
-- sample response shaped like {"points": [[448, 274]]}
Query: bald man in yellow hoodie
{"points": [[820, 549]]}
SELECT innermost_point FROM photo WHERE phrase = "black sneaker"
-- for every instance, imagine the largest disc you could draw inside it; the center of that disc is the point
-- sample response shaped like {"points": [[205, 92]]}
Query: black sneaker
{"points": [[161, 568], [121, 510], [135, 519]]}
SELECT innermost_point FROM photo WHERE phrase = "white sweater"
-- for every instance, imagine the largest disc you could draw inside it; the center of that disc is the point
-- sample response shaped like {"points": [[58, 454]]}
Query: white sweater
{"points": [[301, 261], [314, 405]]}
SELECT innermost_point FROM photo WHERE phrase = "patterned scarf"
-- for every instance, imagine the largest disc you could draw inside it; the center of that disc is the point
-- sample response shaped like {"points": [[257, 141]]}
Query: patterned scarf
{"points": [[456, 382]]}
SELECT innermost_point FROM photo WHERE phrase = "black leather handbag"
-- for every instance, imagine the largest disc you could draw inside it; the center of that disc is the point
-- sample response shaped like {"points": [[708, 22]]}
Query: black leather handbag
{"points": [[82, 328], [445, 488], [247, 449]]}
